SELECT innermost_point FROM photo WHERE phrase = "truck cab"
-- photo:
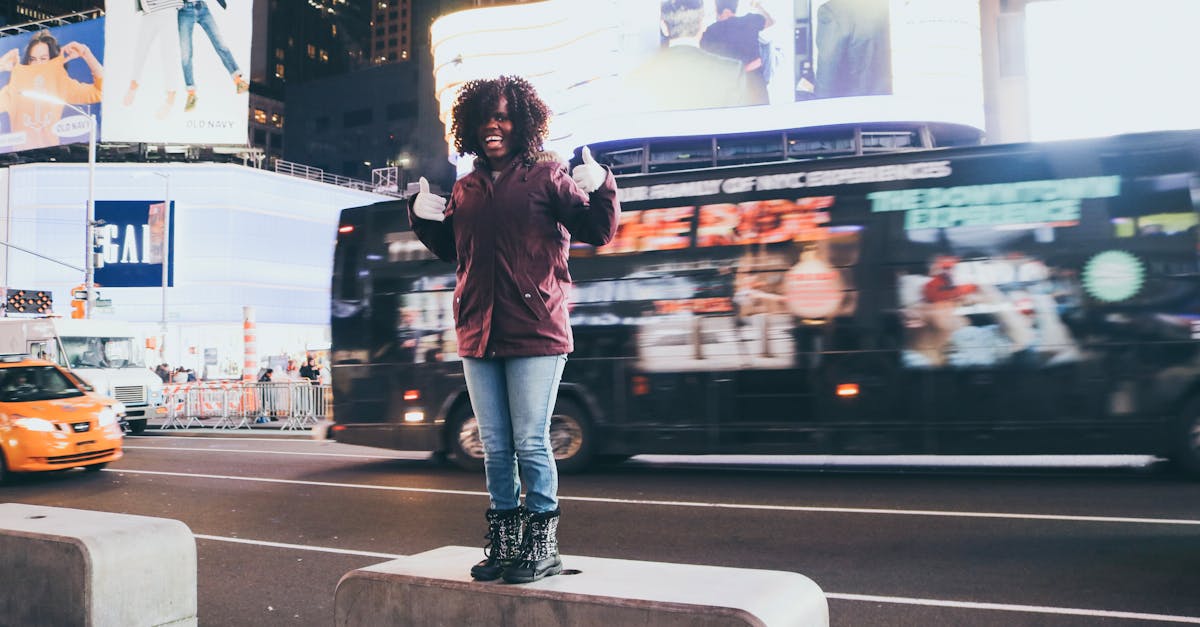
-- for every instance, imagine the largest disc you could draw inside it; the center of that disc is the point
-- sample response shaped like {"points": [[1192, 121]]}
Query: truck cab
{"points": [[104, 353]]}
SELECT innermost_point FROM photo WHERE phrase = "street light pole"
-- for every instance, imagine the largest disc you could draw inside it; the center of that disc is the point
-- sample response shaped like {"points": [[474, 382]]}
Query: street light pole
{"points": [[89, 265], [89, 274]]}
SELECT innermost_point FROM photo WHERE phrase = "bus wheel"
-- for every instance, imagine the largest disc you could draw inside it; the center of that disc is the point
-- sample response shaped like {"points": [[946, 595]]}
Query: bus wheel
{"points": [[570, 437], [1186, 458], [466, 447]]}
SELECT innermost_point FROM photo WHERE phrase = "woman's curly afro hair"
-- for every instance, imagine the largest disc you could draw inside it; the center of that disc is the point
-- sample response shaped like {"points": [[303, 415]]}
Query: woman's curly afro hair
{"points": [[475, 103]]}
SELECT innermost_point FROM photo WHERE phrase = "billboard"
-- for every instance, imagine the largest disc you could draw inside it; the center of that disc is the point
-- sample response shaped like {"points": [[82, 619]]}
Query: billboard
{"points": [[177, 71], [132, 233], [1080, 90], [63, 64], [660, 68]]}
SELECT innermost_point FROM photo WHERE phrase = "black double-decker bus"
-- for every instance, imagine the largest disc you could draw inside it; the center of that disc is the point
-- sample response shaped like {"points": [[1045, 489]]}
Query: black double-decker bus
{"points": [[1009, 299]]}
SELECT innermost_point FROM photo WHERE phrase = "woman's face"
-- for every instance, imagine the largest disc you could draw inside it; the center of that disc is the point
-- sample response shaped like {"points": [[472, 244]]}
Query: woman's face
{"points": [[495, 135], [39, 53]]}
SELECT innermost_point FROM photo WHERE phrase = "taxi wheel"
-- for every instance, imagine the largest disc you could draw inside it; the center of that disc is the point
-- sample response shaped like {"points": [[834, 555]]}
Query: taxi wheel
{"points": [[136, 427], [96, 467], [3, 468]]}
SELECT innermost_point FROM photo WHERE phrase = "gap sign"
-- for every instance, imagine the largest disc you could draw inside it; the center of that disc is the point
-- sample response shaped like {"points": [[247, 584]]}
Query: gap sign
{"points": [[132, 236]]}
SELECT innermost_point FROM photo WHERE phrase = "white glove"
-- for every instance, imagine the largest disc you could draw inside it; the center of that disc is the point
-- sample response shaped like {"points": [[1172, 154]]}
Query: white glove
{"points": [[589, 175], [429, 206]]}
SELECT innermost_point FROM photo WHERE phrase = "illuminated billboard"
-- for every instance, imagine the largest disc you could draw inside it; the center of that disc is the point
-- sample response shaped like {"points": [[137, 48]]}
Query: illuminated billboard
{"points": [[177, 71], [649, 68], [41, 70], [133, 236], [1120, 73]]}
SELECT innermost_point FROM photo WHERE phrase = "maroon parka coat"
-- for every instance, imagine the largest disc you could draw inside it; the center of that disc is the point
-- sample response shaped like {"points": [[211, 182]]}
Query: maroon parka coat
{"points": [[510, 238]]}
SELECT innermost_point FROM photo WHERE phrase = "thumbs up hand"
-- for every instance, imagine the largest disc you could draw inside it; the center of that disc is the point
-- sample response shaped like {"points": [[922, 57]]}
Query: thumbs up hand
{"points": [[588, 175], [429, 206]]}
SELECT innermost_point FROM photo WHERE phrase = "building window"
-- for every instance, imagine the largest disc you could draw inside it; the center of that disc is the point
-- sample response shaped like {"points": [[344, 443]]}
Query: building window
{"points": [[260, 137], [401, 110], [279, 54], [312, 51], [393, 28], [276, 120], [324, 56], [278, 70], [333, 29], [260, 116], [358, 117]]}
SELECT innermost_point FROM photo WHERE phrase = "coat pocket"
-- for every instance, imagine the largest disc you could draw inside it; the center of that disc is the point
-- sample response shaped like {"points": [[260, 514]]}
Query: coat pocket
{"points": [[535, 302]]}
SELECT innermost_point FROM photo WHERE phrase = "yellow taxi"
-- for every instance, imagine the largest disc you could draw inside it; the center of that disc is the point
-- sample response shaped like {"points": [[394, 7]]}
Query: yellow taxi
{"points": [[48, 421]]}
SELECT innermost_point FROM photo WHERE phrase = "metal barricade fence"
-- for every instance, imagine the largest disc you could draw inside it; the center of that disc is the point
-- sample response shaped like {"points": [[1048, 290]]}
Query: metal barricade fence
{"points": [[238, 404]]}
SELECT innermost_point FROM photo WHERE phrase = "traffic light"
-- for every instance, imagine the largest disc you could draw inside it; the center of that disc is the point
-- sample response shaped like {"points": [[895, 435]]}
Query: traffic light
{"points": [[29, 302]]}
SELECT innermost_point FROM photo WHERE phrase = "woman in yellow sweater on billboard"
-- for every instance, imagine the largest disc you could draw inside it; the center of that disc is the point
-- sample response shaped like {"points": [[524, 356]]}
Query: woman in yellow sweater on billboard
{"points": [[42, 69]]}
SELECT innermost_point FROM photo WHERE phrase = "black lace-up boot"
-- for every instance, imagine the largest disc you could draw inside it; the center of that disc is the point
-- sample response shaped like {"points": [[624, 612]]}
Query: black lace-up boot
{"points": [[539, 552], [503, 548]]}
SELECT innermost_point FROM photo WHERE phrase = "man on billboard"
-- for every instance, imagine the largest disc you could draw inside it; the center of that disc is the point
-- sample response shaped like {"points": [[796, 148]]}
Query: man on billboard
{"points": [[42, 69], [682, 75], [854, 49], [737, 37]]}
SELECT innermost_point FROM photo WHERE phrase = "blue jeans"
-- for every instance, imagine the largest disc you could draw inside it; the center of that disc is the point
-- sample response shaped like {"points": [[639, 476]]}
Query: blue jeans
{"points": [[190, 14], [513, 399]]}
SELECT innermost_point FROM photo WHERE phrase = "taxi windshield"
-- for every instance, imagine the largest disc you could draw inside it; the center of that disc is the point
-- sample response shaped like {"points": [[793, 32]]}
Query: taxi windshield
{"points": [[20, 384], [101, 352]]}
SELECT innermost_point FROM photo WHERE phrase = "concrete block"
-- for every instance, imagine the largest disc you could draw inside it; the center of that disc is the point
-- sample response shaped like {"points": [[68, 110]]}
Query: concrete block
{"points": [[61, 566], [435, 588]]}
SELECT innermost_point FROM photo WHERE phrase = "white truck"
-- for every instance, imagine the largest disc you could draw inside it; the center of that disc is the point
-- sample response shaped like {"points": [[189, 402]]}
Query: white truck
{"points": [[104, 353]]}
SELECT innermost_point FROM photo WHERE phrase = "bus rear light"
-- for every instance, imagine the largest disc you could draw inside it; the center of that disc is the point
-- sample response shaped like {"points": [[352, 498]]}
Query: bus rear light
{"points": [[414, 416], [847, 389], [338, 428], [346, 228], [412, 395], [640, 385]]}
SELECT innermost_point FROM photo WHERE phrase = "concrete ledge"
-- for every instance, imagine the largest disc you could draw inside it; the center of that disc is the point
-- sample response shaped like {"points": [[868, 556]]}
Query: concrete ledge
{"points": [[62, 566], [435, 588]]}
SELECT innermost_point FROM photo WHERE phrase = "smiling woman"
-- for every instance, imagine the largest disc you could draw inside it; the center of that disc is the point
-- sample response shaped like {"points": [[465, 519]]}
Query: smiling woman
{"points": [[509, 225]]}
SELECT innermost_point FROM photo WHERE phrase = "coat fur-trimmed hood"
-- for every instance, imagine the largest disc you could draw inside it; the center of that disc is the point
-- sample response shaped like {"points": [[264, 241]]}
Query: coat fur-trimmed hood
{"points": [[543, 156]]}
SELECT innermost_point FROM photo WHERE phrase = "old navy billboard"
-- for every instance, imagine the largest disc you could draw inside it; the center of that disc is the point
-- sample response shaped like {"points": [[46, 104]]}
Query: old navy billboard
{"points": [[133, 233], [177, 71], [41, 70]]}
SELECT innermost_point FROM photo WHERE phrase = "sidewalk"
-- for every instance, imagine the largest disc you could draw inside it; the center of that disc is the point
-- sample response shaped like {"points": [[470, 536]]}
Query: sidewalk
{"points": [[207, 426]]}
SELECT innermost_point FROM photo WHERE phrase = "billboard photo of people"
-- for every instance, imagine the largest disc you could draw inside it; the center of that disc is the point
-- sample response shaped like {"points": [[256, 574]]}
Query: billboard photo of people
{"points": [[37, 69], [707, 54], [853, 49], [178, 71]]}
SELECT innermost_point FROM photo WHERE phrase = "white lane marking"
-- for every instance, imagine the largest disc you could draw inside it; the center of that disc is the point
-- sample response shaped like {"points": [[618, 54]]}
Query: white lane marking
{"points": [[1007, 607], [300, 547], [259, 451], [777, 508], [841, 596]]}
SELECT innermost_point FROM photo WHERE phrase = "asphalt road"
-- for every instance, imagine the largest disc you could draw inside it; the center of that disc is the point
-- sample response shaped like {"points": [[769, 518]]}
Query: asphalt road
{"points": [[279, 520]]}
